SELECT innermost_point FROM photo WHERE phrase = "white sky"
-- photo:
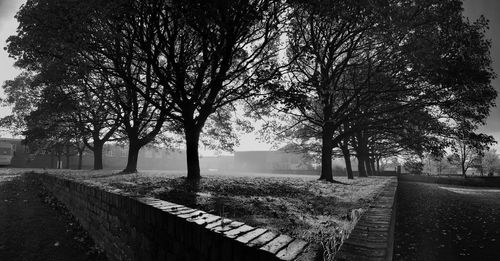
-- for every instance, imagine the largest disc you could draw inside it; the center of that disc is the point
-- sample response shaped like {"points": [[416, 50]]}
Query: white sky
{"points": [[473, 8], [7, 27], [491, 10]]}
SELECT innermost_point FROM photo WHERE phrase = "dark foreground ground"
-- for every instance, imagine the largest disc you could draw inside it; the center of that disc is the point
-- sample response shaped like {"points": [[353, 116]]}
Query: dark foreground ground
{"points": [[33, 226], [439, 222]]}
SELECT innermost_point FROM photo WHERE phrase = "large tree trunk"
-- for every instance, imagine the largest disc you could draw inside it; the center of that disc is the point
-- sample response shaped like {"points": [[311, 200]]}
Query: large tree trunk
{"points": [[361, 166], [360, 154], [52, 160], [193, 160], [68, 157], [326, 153], [480, 166], [369, 170], [378, 165], [462, 162], [133, 156], [347, 159], [365, 152], [59, 161], [80, 159], [98, 155], [372, 164], [67, 161]]}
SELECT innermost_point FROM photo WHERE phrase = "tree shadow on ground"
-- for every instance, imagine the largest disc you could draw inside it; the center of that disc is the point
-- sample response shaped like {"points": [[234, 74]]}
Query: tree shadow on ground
{"points": [[193, 193]]}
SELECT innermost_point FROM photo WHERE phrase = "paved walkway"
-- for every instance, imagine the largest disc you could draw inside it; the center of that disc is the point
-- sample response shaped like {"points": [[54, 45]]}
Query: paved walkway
{"points": [[31, 229], [437, 222]]}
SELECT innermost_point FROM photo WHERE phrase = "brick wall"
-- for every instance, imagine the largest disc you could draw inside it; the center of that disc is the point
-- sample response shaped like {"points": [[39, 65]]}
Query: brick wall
{"points": [[132, 228], [373, 236]]}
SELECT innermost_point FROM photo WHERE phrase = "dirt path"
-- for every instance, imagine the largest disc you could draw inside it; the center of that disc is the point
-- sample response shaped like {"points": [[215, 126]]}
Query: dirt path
{"points": [[447, 223], [34, 227]]}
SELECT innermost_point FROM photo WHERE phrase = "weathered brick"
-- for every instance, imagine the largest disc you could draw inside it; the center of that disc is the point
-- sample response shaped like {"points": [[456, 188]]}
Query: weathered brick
{"points": [[175, 209], [277, 244], [292, 250], [182, 211], [245, 238], [223, 227], [204, 219], [193, 214], [262, 239], [167, 206], [238, 231], [218, 222]]}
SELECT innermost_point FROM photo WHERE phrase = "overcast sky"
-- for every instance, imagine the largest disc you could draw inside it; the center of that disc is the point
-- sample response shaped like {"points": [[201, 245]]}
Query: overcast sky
{"points": [[491, 10], [8, 26], [473, 9]]}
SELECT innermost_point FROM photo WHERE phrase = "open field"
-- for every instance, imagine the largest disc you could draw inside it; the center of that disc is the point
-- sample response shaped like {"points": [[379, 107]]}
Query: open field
{"points": [[297, 205]]}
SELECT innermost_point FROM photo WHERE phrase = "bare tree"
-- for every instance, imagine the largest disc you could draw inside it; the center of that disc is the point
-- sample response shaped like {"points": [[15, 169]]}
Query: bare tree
{"points": [[464, 156]]}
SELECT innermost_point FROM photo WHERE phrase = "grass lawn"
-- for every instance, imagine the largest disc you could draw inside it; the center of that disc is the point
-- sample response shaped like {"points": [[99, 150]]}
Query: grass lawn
{"points": [[300, 206], [457, 180]]}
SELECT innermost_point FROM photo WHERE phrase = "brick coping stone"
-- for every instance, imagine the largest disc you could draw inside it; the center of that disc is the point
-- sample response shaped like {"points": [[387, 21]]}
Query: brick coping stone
{"points": [[373, 236]]}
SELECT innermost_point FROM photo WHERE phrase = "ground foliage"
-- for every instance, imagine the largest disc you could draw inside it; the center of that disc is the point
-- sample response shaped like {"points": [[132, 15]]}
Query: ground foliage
{"points": [[72, 225], [35, 226], [436, 222]]}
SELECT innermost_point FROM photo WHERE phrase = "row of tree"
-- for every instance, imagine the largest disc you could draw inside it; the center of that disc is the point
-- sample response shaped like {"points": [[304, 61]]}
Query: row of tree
{"points": [[381, 80], [481, 162], [369, 78]]}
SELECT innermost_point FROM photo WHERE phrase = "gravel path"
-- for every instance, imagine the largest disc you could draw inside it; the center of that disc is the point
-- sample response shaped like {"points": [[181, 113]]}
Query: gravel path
{"points": [[436, 222], [33, 226]]}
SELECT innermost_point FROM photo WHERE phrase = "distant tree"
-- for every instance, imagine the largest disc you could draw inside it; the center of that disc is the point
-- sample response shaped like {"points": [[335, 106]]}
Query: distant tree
{"points": [[75, 104], [94, 113], [441, 164], [464, 156], [48, 131], [104, 109], [414, 165], [490, 161], [21, 94], [467, 149], [391, 162]]}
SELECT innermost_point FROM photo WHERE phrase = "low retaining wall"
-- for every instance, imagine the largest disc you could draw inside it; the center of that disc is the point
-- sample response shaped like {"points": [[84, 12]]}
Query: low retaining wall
{"points": [[373, 236], [131, 228]]}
